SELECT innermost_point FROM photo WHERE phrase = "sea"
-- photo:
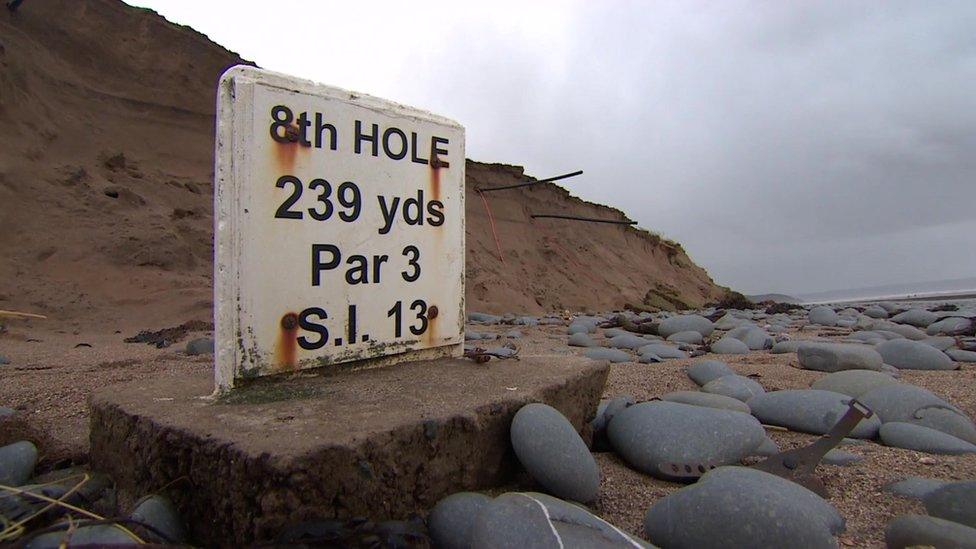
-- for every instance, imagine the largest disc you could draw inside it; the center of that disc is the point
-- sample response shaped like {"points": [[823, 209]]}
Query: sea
{"points": [[958, 289]]}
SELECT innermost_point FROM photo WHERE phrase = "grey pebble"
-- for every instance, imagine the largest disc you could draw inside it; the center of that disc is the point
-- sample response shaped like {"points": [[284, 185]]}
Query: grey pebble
{"points": [[708, 400], [920, 530], [707, 370], [734, 386], [451, 520], [613, 355], [914, 487], [200, 346], [914, 355], [956, 501], [809, 411], [729, 346], [17, 463], [923, 439], [853, 382], [159, 513]]}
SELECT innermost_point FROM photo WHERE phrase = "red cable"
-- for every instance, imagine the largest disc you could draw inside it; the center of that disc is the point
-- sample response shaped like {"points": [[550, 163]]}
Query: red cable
{"points": [[491, 219]]}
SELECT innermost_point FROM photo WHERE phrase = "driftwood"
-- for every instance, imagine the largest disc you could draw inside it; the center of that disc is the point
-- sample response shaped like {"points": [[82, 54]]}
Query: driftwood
{"points": [[18, 314]]}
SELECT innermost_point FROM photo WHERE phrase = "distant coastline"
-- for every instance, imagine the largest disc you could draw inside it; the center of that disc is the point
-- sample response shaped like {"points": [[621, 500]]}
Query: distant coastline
{"points": [[954, 289]]}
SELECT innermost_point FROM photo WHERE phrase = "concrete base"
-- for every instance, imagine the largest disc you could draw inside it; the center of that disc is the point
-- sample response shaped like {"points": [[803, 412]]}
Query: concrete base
{"points": [[381, 443]]}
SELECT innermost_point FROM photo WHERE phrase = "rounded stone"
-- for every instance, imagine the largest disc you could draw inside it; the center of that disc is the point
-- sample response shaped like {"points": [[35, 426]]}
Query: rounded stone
{"points": [[708, 400], [900, 401], [914, 355], [707, 370], [788, 346], [920, 318], [923, 439], [950, 326], [581, 340], [742, 507], [948, 420], [450, 521], [729, 346], [941, 343], [823, 315], [914, 487], [651, 436], [923, 531], [684, 323], [809, 411], [613, 355], [876, 312], [734, 386], [627, 341], [834, 357], [661, 350], [689, 336], [17, 463], [552, 452], [533, 520], [841, 458], [853, 382], [955, 501], [200, 346], [961, 356], [159, 513], [96, 535]]}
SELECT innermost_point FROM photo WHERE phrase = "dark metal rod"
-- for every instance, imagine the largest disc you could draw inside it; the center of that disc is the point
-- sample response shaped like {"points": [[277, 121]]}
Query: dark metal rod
{"points": [[590, 219], [547, 180]]}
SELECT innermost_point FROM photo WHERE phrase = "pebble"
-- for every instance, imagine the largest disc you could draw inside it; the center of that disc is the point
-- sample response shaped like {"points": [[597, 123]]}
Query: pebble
{"points": [[6, 412], [533, 520], [551, 450], [97, 535], [708, 400], [823, 315], [876, 312], [200, 346], [686, 337], [734, 386], [900, 401], [903, 330], [920, 318], [942, 343], [159, 513], [707, 370], [581, 340], [613, 355], [914, 355], [956, 501], [742, 507], [920, 530], [651, 435], [450, 521], [923, 439], [4, 360], [948, 421], [789, 346], [961, 356], [17, 463], [513, 334], [809, 411], [853, 382], [627, 341], [577, 327], [840, 458], [729, 346], [484, 318], [834, 357], [767, 448], [661, 350], [684, 323], [914, 487]]}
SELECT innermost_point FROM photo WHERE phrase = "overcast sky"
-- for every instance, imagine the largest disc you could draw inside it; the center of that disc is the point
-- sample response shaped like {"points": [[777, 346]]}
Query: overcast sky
{"points": [[789, 146]]}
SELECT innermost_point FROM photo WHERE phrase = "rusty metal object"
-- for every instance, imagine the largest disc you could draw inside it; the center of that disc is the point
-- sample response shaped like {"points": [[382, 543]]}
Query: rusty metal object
{"points": [[799, 465], [519, 185], [795, 465], [481, 356], [577, 218]]}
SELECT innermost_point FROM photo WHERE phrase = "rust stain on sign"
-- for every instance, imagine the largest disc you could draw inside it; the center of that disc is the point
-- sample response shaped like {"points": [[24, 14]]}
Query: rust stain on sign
{"points": [[286, 351], [284, 153], [435, 176], [431, 335]]}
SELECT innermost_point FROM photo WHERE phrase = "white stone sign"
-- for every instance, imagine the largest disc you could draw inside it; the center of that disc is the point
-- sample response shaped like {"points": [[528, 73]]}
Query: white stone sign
{"points": [[339, 228]]}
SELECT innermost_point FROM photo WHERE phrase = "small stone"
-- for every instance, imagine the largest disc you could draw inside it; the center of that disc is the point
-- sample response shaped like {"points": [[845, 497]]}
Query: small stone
{"points": [[823, 315], [729, 346], [686, 337], [955, 501], [97, 535], [900, 401], [707, 370], [613, 355], [552, 452], [783, 347], [661, 350], [450, 521], [809, 411], [684, 323], [627, 341], [530, 519], [159, 513], [581, 340], [916, 437], [17, 463], [742, 507], [767, 448], [484, 318], [834, 357], [840, 458], [942, 343], [922, 531], [914, 355], [200, 346], [652, 436], [914, 487], [513, 334], [853, 382], [961, 356], [708, 400], [734, 386], [876, 312], [920, 318], [4, 360]]}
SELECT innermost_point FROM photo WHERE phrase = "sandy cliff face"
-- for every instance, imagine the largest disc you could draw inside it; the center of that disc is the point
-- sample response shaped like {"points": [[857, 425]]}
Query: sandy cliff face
{"points": [[106, 161]]}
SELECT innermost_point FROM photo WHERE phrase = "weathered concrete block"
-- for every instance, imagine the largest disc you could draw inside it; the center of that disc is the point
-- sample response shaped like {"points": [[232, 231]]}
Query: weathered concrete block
{"points": [[380, 443]]}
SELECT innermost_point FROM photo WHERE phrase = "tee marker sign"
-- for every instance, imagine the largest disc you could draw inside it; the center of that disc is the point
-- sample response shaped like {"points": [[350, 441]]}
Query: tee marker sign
{"points": [[339, 228]]}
